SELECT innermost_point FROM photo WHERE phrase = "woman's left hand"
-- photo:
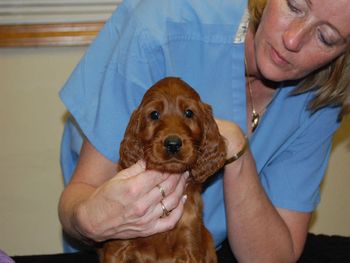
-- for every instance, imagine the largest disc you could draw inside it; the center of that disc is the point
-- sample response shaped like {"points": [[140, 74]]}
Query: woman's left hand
{"points": [[234, 136]]}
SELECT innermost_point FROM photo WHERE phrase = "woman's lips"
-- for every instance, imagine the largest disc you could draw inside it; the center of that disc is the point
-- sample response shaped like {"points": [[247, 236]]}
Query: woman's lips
{"points": [[277, 58]]}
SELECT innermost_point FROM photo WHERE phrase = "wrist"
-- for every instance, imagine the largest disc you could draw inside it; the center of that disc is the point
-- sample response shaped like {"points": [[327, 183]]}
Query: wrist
{"points": [[240, 152], [80, 224]]}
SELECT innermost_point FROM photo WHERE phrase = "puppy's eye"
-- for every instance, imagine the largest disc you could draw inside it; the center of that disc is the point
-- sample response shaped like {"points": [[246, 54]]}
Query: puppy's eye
{"points": [[188, 114], [155, 115]]}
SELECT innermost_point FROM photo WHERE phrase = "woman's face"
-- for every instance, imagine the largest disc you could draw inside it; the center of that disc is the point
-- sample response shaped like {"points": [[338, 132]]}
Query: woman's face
{"points": [[295, 37]]}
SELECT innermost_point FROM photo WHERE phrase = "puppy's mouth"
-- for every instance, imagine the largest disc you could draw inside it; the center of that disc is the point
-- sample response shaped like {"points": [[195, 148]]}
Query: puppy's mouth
{"points": [[171, 165], [172, 154]]}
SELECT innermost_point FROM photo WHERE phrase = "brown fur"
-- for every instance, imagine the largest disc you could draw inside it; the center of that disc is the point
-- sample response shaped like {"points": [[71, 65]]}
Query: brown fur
{"points": [[202, 153]]}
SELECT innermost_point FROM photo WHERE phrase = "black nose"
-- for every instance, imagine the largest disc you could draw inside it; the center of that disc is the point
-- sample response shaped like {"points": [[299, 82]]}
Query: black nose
{"points": [[172, 144]]}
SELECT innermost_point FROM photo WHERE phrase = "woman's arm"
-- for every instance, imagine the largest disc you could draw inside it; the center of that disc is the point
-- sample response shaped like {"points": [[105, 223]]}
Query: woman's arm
{"points": [[257, 231], [100, 204]]}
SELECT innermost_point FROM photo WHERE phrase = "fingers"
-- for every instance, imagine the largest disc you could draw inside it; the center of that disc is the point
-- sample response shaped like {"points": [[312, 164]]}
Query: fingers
{"points": [[171, 201], [158, 225], [148, 205], [135, 169], [146, 181], [145, 213], [168, 222], [143, 181], [137, 181], [175, 183]]}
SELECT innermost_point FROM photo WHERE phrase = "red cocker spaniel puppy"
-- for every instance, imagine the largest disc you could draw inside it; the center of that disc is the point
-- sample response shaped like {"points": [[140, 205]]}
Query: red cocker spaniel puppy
{"points": [[173, 131]]}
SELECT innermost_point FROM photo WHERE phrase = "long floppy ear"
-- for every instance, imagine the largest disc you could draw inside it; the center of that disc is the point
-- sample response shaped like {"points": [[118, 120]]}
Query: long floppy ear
{"points": [[212, 152], [130, 148]]}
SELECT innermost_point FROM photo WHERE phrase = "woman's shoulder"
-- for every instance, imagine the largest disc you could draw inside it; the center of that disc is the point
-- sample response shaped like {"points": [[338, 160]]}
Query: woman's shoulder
{"points": [[151, 13], [292, 111]]}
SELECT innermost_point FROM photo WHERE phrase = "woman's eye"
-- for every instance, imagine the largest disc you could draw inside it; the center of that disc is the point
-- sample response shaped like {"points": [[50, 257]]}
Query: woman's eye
{"points": [[188, 114], [324, 40], [292, 7], [155, 115]]}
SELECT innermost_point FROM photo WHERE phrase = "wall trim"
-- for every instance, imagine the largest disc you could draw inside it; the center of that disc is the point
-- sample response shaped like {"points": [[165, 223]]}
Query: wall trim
{"points": [[59, 34]]}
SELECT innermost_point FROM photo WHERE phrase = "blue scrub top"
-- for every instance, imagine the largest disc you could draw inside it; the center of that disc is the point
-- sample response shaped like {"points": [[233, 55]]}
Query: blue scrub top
{"points": [[202, 42]]}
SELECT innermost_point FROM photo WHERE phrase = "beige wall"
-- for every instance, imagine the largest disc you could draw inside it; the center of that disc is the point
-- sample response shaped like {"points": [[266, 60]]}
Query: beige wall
{"points": [[30, 129], [333, 213]]}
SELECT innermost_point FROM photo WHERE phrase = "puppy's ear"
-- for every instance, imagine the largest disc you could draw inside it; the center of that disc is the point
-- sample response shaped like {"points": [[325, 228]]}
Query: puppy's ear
{"points": [[130, 147], [212, 151]]}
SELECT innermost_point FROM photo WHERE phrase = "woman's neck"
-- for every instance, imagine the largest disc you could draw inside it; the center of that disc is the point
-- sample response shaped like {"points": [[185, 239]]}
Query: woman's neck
{"points": [[259, 90]]}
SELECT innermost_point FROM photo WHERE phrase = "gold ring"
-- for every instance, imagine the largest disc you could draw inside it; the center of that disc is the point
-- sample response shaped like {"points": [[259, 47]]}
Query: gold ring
{"points": [[161, 190], [165, 211]]}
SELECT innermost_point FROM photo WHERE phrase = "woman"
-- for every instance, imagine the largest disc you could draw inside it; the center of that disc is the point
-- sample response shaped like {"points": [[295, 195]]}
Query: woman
{"points": [[291, 62]]}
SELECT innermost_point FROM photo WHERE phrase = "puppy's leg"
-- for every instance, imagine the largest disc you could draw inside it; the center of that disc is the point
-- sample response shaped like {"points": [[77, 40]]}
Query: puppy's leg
{"points": [[208, 247]]}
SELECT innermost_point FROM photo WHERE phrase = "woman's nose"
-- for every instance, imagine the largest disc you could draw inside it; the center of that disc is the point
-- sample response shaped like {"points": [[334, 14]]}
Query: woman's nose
{"points": [[295, 35]]}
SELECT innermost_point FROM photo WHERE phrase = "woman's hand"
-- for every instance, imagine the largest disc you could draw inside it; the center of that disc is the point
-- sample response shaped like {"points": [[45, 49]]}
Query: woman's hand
{"points": [[234, 137], [128, 205]]}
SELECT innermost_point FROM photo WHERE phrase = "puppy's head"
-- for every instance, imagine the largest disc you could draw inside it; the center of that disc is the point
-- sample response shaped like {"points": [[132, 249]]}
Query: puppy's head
{"points": [[174, 131]]}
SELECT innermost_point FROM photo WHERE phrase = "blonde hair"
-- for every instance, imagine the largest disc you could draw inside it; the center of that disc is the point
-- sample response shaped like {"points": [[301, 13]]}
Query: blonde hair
{"points": [[331, 83]]}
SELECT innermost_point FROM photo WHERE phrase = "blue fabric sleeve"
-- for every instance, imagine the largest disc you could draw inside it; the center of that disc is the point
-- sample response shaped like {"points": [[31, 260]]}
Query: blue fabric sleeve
{"points": [[109, 82], [292, 179]]}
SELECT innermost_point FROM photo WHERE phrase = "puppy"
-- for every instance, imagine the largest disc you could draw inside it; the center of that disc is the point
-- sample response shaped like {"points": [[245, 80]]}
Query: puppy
{"points": [[173, 131]]}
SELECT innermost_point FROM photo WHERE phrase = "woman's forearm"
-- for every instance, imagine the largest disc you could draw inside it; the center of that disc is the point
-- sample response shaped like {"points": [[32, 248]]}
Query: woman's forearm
{"points": [[71, 199], [256, 231]]}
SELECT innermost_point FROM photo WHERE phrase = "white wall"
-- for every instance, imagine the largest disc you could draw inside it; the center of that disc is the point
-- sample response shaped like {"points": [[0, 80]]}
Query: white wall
{"points": [[31, 122]]}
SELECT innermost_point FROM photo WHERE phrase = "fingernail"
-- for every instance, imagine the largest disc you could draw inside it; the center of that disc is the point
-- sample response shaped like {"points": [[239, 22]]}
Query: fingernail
{"points": [[186, 174], [142, 163], [183, 199]]}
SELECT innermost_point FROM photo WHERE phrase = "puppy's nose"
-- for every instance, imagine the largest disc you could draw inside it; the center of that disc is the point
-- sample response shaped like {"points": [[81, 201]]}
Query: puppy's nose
{"points": [[172, 144]]}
